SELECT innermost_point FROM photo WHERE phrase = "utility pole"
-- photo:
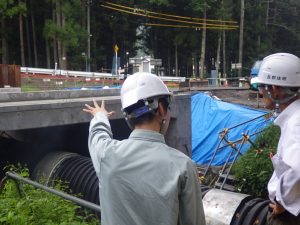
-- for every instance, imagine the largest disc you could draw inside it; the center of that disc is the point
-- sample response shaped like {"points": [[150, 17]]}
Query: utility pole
{"points": [[267, 14], [203, 45], [241, 37], [224, 54], [89, 36]]}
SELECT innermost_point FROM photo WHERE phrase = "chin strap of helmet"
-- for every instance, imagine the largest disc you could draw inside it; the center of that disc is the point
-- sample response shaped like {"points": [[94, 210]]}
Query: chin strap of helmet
{"points": [[281, 101]]}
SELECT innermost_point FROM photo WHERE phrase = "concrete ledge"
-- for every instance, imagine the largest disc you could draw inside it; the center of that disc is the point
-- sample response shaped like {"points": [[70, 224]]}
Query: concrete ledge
{"points": [[10, 90], [50, 95], [16, 115]]}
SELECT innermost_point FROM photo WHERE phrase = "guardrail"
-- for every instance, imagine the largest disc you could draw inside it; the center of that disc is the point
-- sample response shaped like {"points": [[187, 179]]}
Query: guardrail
{"points": [[224, 82], [175, 79], [57, 72]]}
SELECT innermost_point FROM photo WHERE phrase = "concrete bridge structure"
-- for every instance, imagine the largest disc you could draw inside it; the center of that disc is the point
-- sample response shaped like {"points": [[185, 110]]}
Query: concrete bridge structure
{"points": [[21, 111], [31, 111], [35, 123]]}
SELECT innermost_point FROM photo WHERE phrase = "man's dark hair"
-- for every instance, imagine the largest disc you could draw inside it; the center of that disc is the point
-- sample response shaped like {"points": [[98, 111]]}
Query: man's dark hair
{"points": [[148, 116]]}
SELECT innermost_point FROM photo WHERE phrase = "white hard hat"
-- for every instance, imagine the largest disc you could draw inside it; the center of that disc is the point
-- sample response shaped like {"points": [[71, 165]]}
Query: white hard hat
{"points": [[141, 86], [280, 69], [254, 80]]}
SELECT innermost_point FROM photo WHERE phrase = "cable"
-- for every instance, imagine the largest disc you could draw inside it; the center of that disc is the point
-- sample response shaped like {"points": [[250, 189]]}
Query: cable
{"points": [[169, 15], [139, 14], [186, 26], [173, 20]]}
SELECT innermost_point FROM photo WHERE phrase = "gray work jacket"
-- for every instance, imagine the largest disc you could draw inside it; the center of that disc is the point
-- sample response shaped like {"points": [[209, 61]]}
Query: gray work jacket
{"points": [[142, 181]]}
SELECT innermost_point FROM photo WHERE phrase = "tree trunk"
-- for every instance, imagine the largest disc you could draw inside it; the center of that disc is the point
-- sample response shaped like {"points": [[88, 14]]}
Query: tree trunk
{"points": [[176, 60], [89, 36], [241, 37], [21, 38], [54, 39], [58, 23], [36, 62], [259, 34], [48, 53], [197, 63], [267, 14], [224, 54], [4, 43], [29, 56], [194, 66], [203, 46], [55, 54], [63, 48], [169, 62], [217, 62]]}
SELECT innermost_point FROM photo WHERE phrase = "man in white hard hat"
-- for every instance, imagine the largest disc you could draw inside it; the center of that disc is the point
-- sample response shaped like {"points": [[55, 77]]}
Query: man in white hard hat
{"points": [[143, 181], [279, 81]]}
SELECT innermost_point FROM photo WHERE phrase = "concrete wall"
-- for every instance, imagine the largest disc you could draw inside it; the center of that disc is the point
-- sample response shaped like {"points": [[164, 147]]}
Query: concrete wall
{"points": [[34, 124]]}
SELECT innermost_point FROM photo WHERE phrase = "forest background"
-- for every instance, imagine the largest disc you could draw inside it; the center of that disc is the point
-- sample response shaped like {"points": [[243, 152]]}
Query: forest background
{"points": [[82, 34]]}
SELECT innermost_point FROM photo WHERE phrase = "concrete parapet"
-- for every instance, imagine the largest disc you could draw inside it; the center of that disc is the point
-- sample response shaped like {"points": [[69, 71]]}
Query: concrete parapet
{"points": [[51, 95], [9, 90]]}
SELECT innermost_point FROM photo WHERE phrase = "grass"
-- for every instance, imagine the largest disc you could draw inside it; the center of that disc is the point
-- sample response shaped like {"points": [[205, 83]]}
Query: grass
{"points": [[23, 204], [28, 88]]}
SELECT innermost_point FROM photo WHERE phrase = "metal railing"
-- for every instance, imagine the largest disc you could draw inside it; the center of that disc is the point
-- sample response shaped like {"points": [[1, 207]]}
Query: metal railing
{"points": [[70, 73], [61, 194], [57, 72], [224, 82]]}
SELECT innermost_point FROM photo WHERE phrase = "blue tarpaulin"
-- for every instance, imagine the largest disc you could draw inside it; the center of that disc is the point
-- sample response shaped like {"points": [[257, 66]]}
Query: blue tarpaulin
{"points": [[210, 117]]}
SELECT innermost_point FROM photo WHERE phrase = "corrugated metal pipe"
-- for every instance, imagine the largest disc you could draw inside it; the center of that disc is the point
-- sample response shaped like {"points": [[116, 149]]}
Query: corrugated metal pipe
{"points": [[220, 207]]}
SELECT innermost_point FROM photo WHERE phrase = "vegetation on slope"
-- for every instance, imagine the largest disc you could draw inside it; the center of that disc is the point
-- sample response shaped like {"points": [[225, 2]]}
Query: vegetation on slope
{"points": [[254, 169], [23, 204]]}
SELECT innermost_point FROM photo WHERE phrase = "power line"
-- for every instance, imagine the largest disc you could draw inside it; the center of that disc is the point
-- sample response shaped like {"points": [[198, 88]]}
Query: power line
{"points": [[173, 20], [136, 12], [168, 15], [187, 26]]}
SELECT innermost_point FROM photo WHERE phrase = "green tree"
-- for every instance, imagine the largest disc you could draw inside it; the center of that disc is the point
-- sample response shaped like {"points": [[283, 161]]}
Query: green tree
{"points": [[65, 31], [9, 9], [58, 31]]}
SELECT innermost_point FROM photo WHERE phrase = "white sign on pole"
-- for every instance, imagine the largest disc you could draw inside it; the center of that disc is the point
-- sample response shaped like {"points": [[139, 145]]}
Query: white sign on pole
{"points": [[236, 66]]}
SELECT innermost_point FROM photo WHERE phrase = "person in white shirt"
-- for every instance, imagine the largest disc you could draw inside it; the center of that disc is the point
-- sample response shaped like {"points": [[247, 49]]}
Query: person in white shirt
{"points": [[141, 179], [279, 81]]}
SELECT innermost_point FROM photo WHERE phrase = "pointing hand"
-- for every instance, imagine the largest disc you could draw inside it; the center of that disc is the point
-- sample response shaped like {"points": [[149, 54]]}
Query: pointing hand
{"points": [[93, 110]]}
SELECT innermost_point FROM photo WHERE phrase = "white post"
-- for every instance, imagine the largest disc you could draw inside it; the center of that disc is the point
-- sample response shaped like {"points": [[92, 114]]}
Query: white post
{"points": [[55, 68]]}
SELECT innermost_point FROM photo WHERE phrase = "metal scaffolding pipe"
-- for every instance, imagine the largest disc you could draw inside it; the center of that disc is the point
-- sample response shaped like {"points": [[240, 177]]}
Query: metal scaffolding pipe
{"points": [[66, 196]]}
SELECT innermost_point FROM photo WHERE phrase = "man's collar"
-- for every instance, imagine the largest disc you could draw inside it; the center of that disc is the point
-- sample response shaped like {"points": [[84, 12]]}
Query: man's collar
{"points": [[141, 134], [287, 112]]}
